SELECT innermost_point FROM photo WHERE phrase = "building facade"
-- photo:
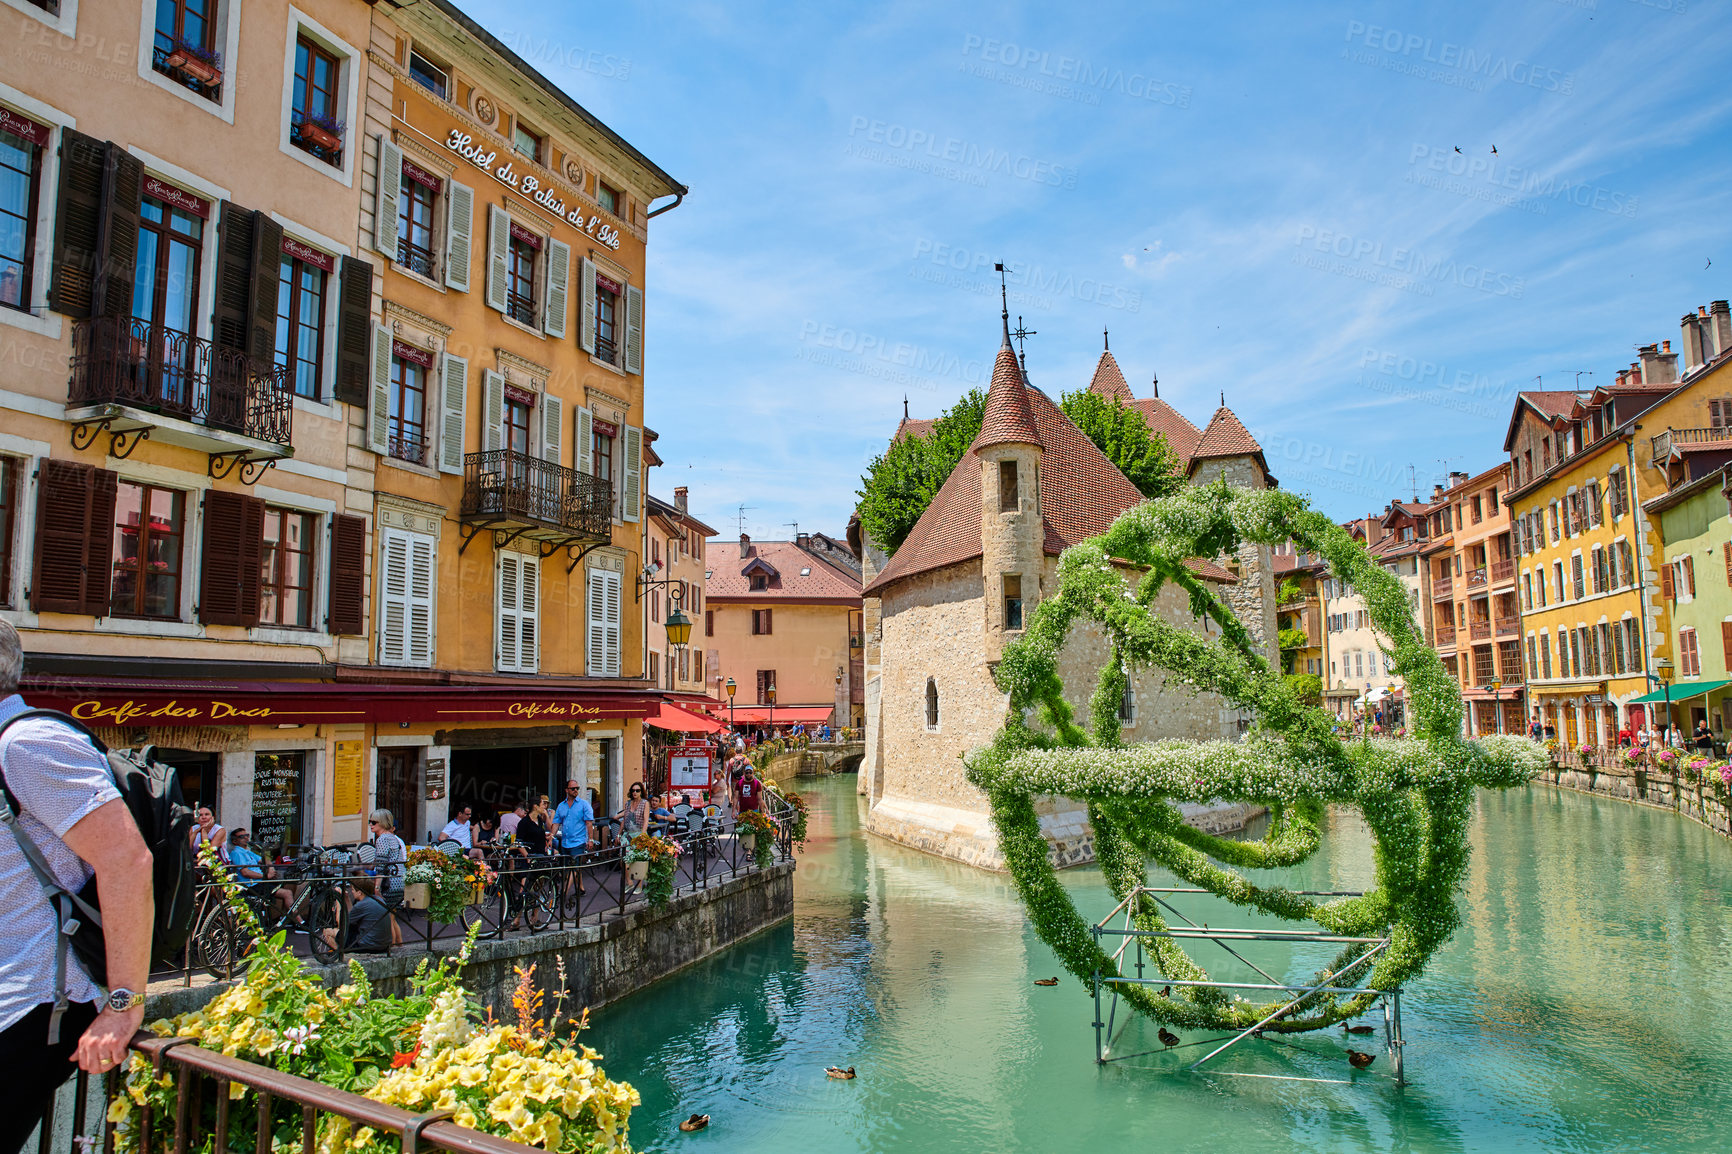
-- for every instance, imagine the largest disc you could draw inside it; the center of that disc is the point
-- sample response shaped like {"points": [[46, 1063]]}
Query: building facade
{"points": [[675, 545], [1362, 683], [1695, 523]]}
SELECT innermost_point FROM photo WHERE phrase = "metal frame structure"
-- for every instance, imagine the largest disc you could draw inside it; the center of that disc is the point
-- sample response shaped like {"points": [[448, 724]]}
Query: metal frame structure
{"points": [[1106, 1035]]}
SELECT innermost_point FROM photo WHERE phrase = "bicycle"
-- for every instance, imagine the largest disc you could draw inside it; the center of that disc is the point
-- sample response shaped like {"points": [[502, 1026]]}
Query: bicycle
{"points": [[222, 940], [534, 899]]}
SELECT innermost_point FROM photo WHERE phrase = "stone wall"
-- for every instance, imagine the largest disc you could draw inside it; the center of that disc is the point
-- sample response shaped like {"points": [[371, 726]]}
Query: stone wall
{"points": [[602, 963], [1701, 804]]}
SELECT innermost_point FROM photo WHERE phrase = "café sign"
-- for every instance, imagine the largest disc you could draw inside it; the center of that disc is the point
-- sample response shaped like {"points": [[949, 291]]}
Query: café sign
{"points": [[529, 185], [298, 704]]}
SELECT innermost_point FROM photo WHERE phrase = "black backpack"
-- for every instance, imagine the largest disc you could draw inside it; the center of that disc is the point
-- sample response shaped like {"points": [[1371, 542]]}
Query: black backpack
{"points": [[151, 792]]}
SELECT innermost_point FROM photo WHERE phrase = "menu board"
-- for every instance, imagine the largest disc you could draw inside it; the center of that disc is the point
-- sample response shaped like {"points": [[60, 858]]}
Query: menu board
{"points": [[348, 777], [689, 768], [277, 793]]}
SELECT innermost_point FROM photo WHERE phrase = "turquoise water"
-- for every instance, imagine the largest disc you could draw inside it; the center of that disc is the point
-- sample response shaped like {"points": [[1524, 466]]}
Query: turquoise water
{"points": [[1585, 1004]]}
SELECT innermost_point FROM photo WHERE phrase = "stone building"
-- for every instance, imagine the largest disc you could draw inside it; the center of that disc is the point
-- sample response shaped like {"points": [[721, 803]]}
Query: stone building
{"points": [[941, 610]]}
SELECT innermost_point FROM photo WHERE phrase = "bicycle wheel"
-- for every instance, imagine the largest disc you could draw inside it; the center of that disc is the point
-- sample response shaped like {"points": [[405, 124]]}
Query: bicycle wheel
{"points": [[484, 913], [324, 912], [218, 944], [540, 900]]}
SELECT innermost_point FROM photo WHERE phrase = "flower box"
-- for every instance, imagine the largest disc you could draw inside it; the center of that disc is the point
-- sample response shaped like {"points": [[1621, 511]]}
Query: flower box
{"points": [[748, 840], [639, 870], [417, 895], [187, 64], [319, 135]]}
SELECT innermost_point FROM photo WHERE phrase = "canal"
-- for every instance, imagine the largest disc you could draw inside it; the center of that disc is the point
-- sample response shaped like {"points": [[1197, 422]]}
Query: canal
{"points": [[1585, 1004]]}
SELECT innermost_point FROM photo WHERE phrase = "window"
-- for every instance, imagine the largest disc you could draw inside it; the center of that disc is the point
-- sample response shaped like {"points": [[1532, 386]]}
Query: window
{"points": [[1687, 573], [601, 453], [428, 75], [655, 667], [406, 591], [761, 622], [1558, 577], [1633, 644], [709, 623], [164, 295], [606, 320], [149, 523], [9, 472], [21, 144], [525, 142], [1128, 702], [407, 427], [1618, 647], [757, 583], [1009, 500], [1527, 590], [1689, 657], [602, 634], [286, 581], [1615, 492], [301, 324], [1012, 601], [1603, 647], [1576, 584], [415, 221], [1601, 581], [1592, 497], [607, 197], [184, 47], [1478, 509], [1626, 563], [1553, 509], [521, 254], [1533, 662], [766, 682], [314, 122], [517, 639], [516, 426], [1545, 655], [931, 704]]}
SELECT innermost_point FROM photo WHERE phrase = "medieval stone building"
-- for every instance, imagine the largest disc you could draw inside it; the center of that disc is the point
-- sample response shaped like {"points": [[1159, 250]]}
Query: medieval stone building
{"points": [[940, 612]]}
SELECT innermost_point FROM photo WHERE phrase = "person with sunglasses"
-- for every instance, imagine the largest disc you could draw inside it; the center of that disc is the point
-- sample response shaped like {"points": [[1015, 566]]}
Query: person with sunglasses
{"points": [[390, 856], [574, 821]]}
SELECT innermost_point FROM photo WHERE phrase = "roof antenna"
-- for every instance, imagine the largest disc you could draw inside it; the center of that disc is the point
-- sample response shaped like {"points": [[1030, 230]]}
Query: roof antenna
{"points": [[1223, 398], [1157, 385]]}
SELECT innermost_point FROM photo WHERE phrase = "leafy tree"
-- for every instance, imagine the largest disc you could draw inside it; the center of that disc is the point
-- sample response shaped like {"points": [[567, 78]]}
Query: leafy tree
{"points": [[1289, 592], [902, 480], [1308, 687], [1122, 433]]}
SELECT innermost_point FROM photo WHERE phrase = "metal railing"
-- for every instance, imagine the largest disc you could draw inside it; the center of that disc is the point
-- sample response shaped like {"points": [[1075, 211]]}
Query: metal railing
{"points": [[1662, 444], [1502, 571], [1508, 625], [1479, 630], [407, 445], [1476, 577], [505, 485], [154, 368], [415, 258], [520, 308]]}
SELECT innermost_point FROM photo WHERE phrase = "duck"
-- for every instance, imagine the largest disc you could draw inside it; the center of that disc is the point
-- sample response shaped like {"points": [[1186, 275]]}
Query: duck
{"points": [[839, 1072], [1167, 1037], [1359, 1029], [695, 1122], [1166, 991], [1046, 981], [1359, 1059]]}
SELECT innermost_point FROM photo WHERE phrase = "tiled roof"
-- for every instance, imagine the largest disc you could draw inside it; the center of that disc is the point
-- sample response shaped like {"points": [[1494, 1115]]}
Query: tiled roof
{"points": [[1181, 435], [914, 427], [1109, 382], [1552, 404], [1226, 436], [727, 577], [1008, 418]]}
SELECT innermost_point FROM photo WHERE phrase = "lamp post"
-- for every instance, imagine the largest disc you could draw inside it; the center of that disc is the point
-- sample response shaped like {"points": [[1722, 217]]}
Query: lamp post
{"points": [[1495, 684], [1663, 674], [730, 687], [770, 697]]}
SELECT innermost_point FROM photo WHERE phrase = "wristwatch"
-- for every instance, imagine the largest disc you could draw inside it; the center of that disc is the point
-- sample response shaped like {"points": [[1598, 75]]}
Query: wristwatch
{"points": [[122, 1000]]}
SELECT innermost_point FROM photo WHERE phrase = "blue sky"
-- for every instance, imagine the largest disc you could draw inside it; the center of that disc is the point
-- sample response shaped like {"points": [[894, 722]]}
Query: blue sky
{"points": [[1261, 200]]}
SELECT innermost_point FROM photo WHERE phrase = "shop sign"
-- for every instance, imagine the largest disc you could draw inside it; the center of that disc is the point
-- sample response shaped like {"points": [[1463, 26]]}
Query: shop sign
{"points": [[201, 711], [308, 254], [178, 197], [347, 778], [435, 778], [322, 704], [464, 145]]}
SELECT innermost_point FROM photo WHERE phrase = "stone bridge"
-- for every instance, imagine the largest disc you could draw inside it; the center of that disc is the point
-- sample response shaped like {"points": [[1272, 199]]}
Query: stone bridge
{"points": [[819, 759]]}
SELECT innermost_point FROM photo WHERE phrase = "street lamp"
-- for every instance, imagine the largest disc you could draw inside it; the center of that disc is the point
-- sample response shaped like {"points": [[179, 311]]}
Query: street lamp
{"points": [[770, 696], [1663, 674], [1495, 684], [730, 687]]}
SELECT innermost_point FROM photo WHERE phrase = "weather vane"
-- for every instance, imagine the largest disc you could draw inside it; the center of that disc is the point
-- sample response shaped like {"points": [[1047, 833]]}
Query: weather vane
{"points": [[1021, 334]]}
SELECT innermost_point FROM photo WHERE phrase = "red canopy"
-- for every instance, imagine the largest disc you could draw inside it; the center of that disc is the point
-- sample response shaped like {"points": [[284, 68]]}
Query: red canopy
{"points": [[672, 717], [783, 714]]}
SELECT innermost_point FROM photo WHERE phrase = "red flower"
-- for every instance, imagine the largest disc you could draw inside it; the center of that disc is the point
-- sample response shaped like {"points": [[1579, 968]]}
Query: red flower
{"points": [[398, 1061]]}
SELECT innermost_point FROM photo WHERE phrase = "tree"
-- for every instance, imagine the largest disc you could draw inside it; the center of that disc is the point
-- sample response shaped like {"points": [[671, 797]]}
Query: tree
{"points": [[901, 481], [1308, 687], [1122, 433]]}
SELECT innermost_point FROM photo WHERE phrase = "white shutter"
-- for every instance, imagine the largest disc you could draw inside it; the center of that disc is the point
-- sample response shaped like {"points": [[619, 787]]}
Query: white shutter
{"points": [[379, 402], [393, 597], [633, 329], [528, 611], [453, 403], [493, 412], [631, 479], [595, 625], [498, 255], [558, 266], [583, 453], [389, 190], [552, 428], [420, 601], [506, 628], [459, 235], [586, 306], [610, 607]]}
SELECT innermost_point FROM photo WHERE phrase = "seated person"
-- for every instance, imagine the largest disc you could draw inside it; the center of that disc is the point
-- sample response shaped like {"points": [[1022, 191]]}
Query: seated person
{"points": [[372, 928], [248, 865]]}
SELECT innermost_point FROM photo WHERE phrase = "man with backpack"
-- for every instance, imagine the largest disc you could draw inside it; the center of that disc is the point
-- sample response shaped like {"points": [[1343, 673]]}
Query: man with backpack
{"points": [[60, 787]]}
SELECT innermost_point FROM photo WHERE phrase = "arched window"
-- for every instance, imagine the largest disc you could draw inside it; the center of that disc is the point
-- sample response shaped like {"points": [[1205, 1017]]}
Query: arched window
{"points": [[931, 704]]}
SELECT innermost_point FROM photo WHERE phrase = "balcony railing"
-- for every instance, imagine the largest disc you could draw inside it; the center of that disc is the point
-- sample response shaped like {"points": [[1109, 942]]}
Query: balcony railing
{"points": [[161, 371], [415, 258], [1476, 577], [1662, 445], [506, 489], [1479, 630], [1502, 571], [1507, 626], [1442, 588], [1445, 638], [520, 308]]}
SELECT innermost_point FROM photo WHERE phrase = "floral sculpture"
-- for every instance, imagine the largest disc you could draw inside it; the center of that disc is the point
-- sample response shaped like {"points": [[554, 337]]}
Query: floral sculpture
{"points": [[1414, 792]]}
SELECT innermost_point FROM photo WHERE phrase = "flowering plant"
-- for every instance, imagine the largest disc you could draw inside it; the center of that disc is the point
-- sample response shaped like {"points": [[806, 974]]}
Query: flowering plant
{"points": [[1725, 778], [451, 881], [424, 1051], [1667, 757], [662, 854], [1696, 767], [758, 823], [1634, 756]]}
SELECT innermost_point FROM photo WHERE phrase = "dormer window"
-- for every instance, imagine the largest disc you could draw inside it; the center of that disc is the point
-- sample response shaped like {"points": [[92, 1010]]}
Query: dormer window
{"points": [[757, 583], [428, 75], [1009, 500]]}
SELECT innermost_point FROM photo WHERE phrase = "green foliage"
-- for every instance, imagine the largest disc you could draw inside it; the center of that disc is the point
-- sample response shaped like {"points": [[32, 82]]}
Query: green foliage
{"points": [[1289, 592], [901, 481], [1414, 793], [1307, 687], [1122, 433]]}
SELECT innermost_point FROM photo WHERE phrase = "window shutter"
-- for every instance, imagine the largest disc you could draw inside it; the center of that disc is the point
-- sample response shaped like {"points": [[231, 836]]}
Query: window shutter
{"points": [[348, 574], [558, 266], [498, 255], [1690, 575], [354, 330], [586, 306], [459, 235], [379, 406], [769, 622], [583, 458], [234, 277], [389, 191], [493, 412], [631, 479], [74, 538], [529, 610], [1726, 549], [232, 558], [552, 428], [420, 601], [1667, 589], [123, 196], [77, 223], [594, 626], [610, 588], [453, 405], [1715, 418], [267, 274], [393, 598], [505, 625], [633, 329], [1726, 644]]}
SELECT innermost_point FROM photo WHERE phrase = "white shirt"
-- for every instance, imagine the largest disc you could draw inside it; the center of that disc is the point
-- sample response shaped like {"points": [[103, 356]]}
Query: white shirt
{"points": [[456, 830]]}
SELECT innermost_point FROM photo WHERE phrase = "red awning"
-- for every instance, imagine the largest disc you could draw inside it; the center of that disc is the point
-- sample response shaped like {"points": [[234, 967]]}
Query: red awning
{"points": [[681, 721], [783, 714]]}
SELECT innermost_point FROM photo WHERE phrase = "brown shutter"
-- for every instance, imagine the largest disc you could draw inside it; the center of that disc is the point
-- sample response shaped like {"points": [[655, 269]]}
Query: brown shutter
{"points": [[769, 621], [234, 525], [234, 279], [77, 223], [1727, 549], [1667, 589], [74, 538], [267, 268], [123, 198], [348, 574], [1690, 575], [354, 331]]}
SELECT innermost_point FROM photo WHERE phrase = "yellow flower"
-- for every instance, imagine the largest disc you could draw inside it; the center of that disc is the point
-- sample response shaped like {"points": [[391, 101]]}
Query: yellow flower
{"points": [[362, 1139], [471, 1075], [447, 1100], [541, 1086], [505, 1107], [466, 1118]]}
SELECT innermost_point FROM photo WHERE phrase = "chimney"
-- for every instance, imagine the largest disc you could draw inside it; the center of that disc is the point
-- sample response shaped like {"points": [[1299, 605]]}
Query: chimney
{"points": [[1437, 493], [1658, 368], [745, 546], [1720, 314], [680, 498], [803, 540], [1635, 373], [1622, 374], [1456, 479], [1691, 333]]}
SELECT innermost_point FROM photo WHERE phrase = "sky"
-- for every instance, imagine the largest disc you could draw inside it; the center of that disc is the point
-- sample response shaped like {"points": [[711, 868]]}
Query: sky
{"points": [[1295, 207]]}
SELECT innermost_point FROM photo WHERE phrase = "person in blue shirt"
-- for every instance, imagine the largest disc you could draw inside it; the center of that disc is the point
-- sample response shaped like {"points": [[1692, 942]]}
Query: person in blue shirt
{"points": [[574, 819], [248, 865]]}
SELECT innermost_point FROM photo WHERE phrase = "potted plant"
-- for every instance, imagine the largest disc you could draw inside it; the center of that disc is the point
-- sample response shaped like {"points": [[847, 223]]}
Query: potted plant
{"points": [[416, 895], [757, 836], [196, 62], [651, 860], [1586, 752], [452, 882], [1638, 764], [323, 131]]}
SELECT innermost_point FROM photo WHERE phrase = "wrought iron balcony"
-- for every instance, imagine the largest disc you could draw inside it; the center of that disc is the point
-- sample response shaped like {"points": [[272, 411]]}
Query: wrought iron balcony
{"points": [[130, 378], [517, 495], [1502, 571]]}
